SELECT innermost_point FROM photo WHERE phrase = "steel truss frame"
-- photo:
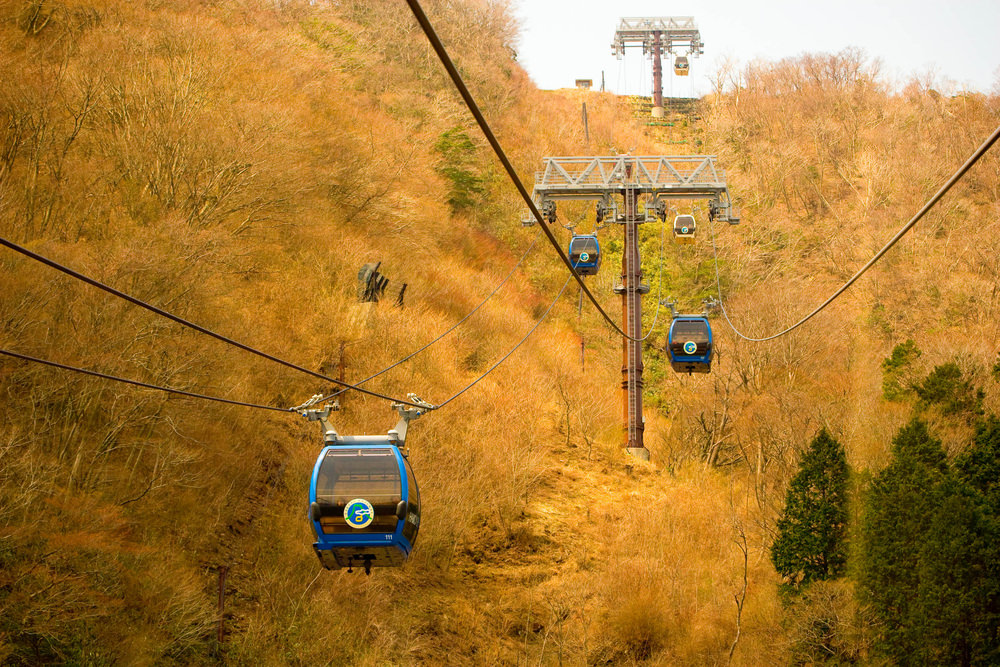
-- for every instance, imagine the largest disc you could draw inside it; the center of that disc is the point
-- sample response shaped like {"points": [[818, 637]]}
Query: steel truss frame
{"points": [[675, 32], [659, 177]]}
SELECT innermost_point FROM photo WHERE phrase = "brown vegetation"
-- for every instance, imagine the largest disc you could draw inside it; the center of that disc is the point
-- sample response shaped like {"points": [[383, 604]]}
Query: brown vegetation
{"points": [[237, 162]]}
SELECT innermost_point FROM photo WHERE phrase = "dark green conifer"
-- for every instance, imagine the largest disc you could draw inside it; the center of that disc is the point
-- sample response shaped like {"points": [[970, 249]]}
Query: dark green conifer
{"points": [[979, 468], [947, 388], [812, 531], [899, 507], [980, 464], [928, 560], [897, 371]]}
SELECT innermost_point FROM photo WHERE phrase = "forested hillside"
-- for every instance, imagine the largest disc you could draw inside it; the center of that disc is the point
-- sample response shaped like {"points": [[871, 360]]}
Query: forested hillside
{"points": [[237, 162]]}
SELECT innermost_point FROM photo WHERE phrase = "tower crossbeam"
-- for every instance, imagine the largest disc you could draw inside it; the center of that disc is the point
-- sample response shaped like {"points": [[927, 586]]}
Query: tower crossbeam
{"points": [[658, 176], [676, 32]]}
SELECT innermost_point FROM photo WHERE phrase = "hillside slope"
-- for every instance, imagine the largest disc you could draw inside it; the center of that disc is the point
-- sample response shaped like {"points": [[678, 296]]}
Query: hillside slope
{"points": [[237, 163]]}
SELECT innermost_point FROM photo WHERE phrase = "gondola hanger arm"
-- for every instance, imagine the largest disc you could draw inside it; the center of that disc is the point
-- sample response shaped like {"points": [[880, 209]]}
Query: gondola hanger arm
{"points": [[322, 415], [670, 303], [406, 414], [395, 436]]}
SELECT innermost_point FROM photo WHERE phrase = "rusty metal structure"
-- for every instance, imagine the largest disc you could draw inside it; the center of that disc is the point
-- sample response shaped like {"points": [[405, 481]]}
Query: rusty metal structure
{"points": [[644, 185], [656, 36]]}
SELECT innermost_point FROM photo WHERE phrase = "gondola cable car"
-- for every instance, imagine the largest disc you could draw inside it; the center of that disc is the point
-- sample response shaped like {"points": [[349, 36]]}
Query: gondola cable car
{"points": [[681, 66], [364, 503], [689, 342], [684, 228], [585, 254]]}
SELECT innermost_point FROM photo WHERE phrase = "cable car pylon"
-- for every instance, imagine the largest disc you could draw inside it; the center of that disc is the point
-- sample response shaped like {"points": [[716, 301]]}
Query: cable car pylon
{"points": [[656, 36], [645, 183]]}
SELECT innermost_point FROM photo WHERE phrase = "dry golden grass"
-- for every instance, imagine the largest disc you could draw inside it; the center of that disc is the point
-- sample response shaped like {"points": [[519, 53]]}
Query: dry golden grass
{"points": [[237, 162]]}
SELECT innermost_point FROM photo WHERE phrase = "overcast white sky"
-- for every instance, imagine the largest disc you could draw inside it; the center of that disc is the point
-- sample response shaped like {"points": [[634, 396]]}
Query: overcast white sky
{"points": [[956, 40]]}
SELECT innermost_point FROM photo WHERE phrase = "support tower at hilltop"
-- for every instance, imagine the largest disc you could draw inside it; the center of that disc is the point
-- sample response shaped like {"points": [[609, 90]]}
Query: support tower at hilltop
{"points": [[644, 184], [656, 36]]}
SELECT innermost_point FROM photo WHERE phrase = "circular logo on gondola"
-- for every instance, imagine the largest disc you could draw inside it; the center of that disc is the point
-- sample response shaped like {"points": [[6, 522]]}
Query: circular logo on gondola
{"points": [[359, 513], [690, 347], [684, 230], [584, 257]]}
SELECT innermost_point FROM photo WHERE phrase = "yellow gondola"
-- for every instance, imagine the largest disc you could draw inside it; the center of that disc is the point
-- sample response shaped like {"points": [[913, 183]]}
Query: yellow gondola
{"points": [[684, 229]]}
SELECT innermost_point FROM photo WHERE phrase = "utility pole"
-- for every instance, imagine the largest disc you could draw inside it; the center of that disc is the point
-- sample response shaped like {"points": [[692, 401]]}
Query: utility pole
{"points": [[656, 179]]}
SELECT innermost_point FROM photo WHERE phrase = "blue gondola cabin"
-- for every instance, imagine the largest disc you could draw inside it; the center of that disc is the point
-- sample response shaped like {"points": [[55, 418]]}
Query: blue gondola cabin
{"points": [[585, 254], [364, 506], [689, 345]]}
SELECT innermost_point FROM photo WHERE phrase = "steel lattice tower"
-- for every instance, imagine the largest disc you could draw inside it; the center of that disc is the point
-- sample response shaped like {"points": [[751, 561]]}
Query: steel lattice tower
{"points": [[656, 36], [645, 184]]}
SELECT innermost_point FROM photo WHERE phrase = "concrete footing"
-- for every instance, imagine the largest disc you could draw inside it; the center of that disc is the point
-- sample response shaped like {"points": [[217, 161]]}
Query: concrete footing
{"points": [[640, 453]]}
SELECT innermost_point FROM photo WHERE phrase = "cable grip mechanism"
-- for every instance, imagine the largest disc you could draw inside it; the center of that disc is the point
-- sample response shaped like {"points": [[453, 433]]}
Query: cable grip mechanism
{"points": [[671, 303], [322, 415], [397, 435]]}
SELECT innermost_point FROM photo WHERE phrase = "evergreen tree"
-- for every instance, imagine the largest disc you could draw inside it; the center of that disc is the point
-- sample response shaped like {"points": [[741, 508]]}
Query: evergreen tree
{"points": [[812, 531], [949, 605], [979, 468], [946, 387], [899, 506], [927, 567], [458, 166], [897, 371]]}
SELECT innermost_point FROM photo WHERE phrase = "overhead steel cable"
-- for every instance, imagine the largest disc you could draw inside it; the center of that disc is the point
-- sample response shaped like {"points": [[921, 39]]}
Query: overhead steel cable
{"points": [[145, 385], [453, 327], [512, 350], [191, 325], [463, 90], [979, 152]]}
